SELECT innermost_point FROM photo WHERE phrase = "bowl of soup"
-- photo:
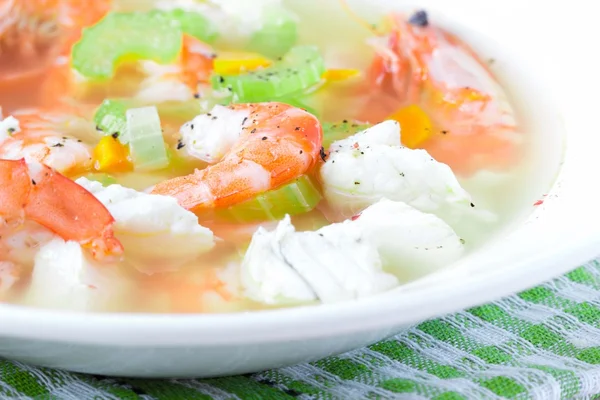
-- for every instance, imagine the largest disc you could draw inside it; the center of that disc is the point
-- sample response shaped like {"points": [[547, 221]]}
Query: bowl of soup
{"points": [[205, 188]]}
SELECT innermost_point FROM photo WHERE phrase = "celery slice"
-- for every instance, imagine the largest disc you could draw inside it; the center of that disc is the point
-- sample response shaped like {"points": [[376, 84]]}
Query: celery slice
{"points": [[301, 68], [277, 35], [110, 118], [146, 144], [104, 179], [132, 36], [297, 197], [341, 130], [195, 24]]}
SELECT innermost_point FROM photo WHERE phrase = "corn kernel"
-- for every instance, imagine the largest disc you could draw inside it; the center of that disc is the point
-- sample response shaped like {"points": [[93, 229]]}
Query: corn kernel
{"points": [[111, 156], [415, 124]]}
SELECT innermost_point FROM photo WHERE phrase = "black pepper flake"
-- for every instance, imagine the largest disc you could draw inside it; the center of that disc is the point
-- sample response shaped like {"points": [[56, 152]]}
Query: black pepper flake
{"points": [[462, 241], [192, 126], [221, 79], [322, 153], [401, 173], [301, 152], [214, 117], [180, 145], [253, 130], [297, 128], [196, 95], [345, 121], [33, 182], [278, 126], [244, 120], [79, 140], [115, 135], [419, 18], [58, 145], [357, 183], [264, 138], [98, 128], [444, 132], [472, 205], [208, 114], [320, 234]]}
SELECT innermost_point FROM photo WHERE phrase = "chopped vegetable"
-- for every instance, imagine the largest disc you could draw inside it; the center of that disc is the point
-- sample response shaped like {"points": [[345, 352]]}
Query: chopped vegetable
{"points": [[195, 24], [126, 36], [339, 131], [300, 196], [301, 68], [236, 63], [110, 117], [146, 143], [111, 156], [340, 74], [104, 179], [278, 32], [415, 125]]}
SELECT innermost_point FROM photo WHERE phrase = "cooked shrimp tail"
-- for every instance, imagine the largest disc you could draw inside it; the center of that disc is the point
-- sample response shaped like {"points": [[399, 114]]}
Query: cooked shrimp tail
{"points": [[276, 143], [39, 193], [452, 93]]}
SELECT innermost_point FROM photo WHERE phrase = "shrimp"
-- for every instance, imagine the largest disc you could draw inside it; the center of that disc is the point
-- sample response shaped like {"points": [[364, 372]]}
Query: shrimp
{"points": [[34, 34], [38, 193], [473, 124], [277, 143], [41, 137]]}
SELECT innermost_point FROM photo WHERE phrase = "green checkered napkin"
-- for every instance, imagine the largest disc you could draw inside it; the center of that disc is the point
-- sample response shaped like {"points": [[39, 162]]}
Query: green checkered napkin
{"points": [[541, 344]]}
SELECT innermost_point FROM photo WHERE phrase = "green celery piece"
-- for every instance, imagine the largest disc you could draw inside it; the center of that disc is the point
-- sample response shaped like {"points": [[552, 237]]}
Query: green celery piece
{"points": [[297, 197], [277, 35], [298, 70], [110, 118], [338, 131], [152, 35], [195, 24], [104, 179], [146, 143]]}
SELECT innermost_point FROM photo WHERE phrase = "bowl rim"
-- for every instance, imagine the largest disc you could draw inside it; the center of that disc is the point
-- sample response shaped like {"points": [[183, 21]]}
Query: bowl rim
{"points": [[386, 310]]}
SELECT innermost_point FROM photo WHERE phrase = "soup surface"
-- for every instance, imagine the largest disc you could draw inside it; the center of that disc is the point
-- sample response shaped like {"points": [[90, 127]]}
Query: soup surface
{"points": [[202, 157]]}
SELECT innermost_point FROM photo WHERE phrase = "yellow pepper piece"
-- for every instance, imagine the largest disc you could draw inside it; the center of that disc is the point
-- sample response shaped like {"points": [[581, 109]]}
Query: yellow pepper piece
{"points": [[415, 124], [339, 74], [236, 63], [111, 156]]}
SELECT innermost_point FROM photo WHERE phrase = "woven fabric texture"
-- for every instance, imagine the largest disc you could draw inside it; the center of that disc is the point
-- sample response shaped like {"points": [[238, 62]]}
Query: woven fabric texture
{"points": [[543, 343]]}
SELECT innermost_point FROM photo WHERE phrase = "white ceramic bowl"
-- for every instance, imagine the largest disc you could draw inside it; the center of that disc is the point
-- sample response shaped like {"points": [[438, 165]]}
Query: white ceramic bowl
{"points": [[547, 47]]}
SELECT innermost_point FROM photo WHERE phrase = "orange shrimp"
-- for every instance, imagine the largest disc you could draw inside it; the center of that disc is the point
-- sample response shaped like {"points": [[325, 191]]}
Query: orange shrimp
{"points": [[43, 137], [474, 126], [277, 143], [33, 34], [38, 193], [197, 59]]}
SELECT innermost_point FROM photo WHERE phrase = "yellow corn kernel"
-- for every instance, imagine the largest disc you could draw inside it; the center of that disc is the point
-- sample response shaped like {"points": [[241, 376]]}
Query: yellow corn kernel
{"points": [[339, 74], [236, 63], [415, 124], [111, 156]]}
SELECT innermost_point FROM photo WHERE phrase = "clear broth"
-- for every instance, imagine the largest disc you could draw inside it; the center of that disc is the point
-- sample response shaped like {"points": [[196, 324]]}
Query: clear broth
{"points": [[192, 289]]}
